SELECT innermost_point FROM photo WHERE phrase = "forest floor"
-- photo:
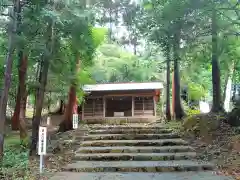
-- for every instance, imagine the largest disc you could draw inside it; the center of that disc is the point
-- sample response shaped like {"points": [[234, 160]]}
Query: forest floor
{"points": [[214, 140], [18, 166]]}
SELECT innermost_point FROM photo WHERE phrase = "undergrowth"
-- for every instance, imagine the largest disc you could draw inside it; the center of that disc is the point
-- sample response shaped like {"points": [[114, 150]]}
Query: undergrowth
{"points": [[15, 162]]}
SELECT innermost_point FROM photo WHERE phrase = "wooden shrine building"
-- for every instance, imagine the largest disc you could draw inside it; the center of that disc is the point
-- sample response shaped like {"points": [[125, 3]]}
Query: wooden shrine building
{"points": [[134, 102]]}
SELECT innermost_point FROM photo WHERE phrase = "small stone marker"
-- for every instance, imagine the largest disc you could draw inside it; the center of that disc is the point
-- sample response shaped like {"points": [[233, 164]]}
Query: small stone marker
{"points": [[42, 145], [75, 121]]}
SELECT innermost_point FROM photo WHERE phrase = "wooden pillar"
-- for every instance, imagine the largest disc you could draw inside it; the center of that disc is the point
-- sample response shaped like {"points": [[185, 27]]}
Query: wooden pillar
{"points": [[133, 106], [154, 106], [104, 106]]}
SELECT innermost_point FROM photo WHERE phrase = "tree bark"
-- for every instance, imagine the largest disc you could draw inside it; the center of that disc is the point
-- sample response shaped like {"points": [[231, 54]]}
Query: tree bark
{"points": [[228, 88], [20, 106], [61, 108], [41, 90], [168, 108], [15, 117], [66, 124], [7, 74], [71, 107], [173, 96], [225, 84], [23, 98], [39, 106], [217, 101], [178, 110]]}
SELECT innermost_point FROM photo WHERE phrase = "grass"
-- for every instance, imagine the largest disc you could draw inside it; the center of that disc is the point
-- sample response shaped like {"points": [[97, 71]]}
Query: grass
{"points": [[15, 162]]}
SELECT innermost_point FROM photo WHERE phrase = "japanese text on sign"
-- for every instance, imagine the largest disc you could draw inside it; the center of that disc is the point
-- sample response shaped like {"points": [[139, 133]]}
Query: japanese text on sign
{"points": [[42, 141], [75, 121]]}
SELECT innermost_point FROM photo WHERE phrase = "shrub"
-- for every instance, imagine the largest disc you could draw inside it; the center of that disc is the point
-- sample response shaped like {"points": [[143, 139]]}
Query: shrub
{"points": [[191, 112]]}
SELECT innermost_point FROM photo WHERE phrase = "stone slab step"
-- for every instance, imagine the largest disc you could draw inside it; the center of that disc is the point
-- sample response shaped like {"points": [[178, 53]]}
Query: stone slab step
{"points": [[135, 149], [130, 126], [138, 166], [128, 136], [209, 175], [130, 131], [159, 142], [134, 156]]}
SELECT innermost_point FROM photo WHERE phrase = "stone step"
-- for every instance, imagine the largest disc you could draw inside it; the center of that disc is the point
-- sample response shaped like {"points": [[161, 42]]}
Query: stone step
{"points": [[138, 166], [207, 175], [130, 131], [130, 126], [159, 142], [134, 156], [128, 136], [135, 149]]}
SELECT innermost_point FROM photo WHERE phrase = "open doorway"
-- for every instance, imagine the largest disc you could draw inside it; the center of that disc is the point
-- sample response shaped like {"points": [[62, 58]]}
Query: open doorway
{"points": [[118, 106]]}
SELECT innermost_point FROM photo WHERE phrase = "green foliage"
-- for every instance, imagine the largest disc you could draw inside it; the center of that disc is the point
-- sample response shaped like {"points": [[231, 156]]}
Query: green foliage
{"points": [[98, 35], [196, 91], [114, 64], [15, 158], [191, 112]]}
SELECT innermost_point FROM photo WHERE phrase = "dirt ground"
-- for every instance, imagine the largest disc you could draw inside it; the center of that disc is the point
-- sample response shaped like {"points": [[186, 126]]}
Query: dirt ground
{"points": [[60, 151], [215, 141]]}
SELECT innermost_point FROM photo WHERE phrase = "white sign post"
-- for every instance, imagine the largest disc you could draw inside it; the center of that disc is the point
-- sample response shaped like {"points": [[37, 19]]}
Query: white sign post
{"points": [[75, 121], [42, 145]]}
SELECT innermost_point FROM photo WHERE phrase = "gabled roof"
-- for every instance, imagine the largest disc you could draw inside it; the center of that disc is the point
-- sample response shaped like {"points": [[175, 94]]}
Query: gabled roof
{"points": [[123, 86]]}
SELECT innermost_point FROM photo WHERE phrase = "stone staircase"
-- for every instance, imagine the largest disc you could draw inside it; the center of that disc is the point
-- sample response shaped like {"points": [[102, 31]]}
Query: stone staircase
{"points": [[128, 152]]}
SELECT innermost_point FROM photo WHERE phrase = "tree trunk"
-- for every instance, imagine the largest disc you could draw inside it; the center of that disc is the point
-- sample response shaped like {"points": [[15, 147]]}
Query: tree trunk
{"points": [[234, 83], [217, 102], [178, 110], [39, 106], [23, 100], [20, 106], [228, 89], [61, 108], [168, 108], [225, 84], [15, 117], [41, 90], [66, 124], [7, 74], [173, 96], [71, 107]]}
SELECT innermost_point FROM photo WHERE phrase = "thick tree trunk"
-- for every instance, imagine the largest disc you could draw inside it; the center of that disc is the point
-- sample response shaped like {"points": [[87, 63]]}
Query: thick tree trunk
{"points": [[61, 108], [225, 84], [178, 110], [168, 108], [23, 100], [39, 106], [7, 74], [41, 90], [20, 106], [71, 107], [22, 123], [15, 117], [228, 89], [217, 102], [173, 96], [66, 124]]}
